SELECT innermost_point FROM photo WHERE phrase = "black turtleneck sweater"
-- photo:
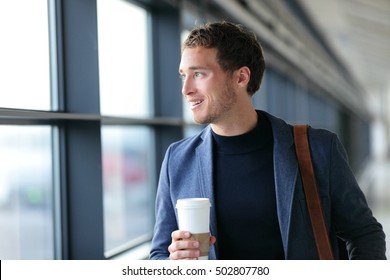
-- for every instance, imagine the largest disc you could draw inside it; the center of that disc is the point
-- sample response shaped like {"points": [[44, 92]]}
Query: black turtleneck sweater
{"points": [[245, 200]]}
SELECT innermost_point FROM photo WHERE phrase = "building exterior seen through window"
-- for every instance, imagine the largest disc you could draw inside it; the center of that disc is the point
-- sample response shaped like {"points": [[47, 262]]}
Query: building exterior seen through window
{"points": [[127, 151], [24, 55], [127, 185], [26, 151], [123, 59], [30, 214], [26, 192]]}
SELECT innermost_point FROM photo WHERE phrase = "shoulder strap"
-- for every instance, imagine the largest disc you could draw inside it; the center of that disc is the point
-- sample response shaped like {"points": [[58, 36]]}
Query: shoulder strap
{"points": [[311, 192]]}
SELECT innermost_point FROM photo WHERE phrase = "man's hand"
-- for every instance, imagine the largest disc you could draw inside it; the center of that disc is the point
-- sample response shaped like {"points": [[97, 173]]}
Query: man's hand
{"points": [[183, 248]]}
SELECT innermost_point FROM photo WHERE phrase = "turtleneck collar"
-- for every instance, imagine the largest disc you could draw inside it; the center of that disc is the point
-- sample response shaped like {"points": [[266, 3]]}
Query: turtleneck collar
{"points": [[258, 138]]}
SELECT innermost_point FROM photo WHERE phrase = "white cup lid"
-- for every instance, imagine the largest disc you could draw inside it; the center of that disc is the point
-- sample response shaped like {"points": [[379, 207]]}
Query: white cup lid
{"points": [[193, 203]]}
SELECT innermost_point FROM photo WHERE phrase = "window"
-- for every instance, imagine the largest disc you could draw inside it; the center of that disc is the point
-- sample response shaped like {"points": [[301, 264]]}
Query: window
{"points": [[26, 192], [127, 150], [27, 167], [24, 55], [128, 185], [123, 59], [81, 138]]}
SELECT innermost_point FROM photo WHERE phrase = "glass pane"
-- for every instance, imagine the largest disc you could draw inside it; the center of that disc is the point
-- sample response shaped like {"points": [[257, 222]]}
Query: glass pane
{"points": [[24, 55], [123, 59], [127, 181], [26, 204]]}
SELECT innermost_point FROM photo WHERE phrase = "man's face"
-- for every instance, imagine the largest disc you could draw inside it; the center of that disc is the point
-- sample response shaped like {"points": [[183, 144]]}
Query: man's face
{"points": [[206, 86]]}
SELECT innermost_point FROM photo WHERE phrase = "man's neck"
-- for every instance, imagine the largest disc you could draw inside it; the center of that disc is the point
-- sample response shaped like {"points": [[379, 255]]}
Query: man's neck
{"points": [[241, 123]]}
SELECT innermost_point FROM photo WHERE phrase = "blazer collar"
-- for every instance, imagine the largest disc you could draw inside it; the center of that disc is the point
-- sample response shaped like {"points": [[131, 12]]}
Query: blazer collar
{"points": [[204, 156], [285, 172]]}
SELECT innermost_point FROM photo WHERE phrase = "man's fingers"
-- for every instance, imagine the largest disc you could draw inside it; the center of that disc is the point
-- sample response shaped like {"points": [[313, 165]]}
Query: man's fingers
{"points": [[182, 245], [185, 248], [185, 254], [212, 240], [180, 234]]}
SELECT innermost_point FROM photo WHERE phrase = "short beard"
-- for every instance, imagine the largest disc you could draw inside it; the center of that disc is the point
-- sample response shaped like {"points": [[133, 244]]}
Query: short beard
{"points": [[222, 108]]}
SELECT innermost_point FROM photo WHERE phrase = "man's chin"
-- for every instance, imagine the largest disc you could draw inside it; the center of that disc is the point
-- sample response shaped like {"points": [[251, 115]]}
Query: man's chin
{"points": [[199, 121]]}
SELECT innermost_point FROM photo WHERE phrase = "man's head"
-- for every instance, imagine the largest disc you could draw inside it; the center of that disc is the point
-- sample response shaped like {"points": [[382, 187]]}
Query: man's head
{"points": [[236, 47]]}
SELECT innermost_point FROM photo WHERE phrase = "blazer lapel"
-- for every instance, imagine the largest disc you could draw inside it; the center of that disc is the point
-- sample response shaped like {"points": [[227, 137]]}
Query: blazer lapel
{"points": [[204, 155], [285, 172]]}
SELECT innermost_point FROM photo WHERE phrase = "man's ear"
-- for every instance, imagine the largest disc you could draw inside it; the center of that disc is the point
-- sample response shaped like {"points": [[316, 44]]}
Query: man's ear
{"points": [[244, 75]]}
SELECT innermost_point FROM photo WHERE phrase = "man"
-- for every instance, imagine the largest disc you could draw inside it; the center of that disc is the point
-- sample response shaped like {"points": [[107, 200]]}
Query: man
{"points": [[245, 163]]}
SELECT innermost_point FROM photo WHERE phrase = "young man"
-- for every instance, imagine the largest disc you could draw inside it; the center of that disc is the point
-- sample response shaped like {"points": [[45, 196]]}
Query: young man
{"points": [[245, 163]]}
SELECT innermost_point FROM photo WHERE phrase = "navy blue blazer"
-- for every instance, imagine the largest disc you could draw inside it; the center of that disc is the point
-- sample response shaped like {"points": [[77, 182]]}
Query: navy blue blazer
{"points": [[187, 171]]}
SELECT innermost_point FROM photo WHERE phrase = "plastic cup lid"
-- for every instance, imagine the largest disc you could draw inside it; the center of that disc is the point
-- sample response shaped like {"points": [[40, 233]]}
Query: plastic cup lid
{"points": [[193, 203]]}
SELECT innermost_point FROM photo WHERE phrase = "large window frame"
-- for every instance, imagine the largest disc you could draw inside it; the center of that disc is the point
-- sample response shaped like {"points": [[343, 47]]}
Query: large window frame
{"points": [[76, 120]]}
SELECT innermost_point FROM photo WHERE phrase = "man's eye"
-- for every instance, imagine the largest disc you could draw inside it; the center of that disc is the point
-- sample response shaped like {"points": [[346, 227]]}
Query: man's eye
{"points": [[182, 77], [198, 74]]}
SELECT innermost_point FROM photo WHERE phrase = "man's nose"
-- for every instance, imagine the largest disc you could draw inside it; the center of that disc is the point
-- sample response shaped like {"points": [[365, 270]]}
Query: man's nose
{"points": [[187, 87]]}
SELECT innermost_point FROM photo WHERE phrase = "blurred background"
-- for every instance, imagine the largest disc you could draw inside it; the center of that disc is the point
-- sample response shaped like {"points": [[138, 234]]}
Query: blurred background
{"points": [[90, 99]]}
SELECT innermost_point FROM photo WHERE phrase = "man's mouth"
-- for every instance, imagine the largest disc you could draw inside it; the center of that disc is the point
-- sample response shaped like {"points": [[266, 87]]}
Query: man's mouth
{"points": [[194, 104]]}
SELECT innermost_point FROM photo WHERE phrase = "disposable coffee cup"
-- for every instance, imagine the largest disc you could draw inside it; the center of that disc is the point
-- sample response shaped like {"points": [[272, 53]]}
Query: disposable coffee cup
{"points": [[194, 216]]}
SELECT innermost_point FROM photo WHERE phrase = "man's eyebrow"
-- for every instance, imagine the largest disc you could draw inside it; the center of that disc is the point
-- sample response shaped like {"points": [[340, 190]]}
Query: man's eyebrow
{"points": [[195, 68]]}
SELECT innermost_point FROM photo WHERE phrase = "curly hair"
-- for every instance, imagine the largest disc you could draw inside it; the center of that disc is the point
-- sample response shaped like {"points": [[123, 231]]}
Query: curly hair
{"points": [[236, 47]]}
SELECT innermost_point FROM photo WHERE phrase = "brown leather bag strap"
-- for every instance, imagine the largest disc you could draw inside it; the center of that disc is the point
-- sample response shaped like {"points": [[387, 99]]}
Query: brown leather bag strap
{"points": [[311, 192]]}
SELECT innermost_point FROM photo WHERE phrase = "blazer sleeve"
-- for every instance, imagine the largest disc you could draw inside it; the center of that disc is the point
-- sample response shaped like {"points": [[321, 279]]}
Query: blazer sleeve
{"points": [[351, 216], [165, 215]]}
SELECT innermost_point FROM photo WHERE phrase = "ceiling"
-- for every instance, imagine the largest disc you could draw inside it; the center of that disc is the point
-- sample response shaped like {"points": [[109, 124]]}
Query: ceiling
{"points": [[358, 31]]}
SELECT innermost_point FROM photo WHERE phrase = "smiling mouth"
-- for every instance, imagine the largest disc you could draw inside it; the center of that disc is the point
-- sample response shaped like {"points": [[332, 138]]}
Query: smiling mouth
{"points": [[194, 104]]}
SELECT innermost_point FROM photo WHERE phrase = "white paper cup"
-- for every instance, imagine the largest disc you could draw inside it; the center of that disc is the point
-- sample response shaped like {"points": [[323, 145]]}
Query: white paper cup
{"points": [[194, 216]]}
